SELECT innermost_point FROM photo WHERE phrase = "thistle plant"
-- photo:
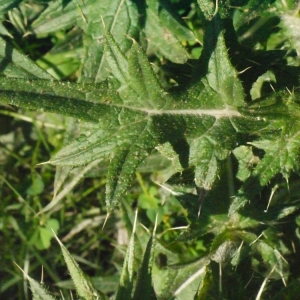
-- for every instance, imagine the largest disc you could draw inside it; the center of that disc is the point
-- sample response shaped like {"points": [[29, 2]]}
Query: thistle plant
{"points": [[217, 98]]}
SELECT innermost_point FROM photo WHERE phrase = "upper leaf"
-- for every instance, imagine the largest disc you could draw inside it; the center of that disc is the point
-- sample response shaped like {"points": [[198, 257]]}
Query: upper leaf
{"points": [[15, 64], [136, 114], [165, 31], [141, 115], [61, 15], [6, 5], [219, 92]]}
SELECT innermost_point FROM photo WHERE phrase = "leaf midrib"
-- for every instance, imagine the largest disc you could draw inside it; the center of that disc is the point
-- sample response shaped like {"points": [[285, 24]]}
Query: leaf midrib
{"points": [[217, 113]]}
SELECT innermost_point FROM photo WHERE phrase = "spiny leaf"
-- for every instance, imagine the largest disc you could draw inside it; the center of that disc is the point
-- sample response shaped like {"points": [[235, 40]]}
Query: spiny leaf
{"points": [[123, 166], [189, 277], [126, 281], [206, 287], [15, 64], [60, 15], [144, 82], [83, 285], [144, 288], [121, 18], [135, 114], [139, 86], [221, 78], [281, 141], [39, 292], [214, 137], [70, 99], [165, 31], [116, 59], [272, 257], [138, 140]]}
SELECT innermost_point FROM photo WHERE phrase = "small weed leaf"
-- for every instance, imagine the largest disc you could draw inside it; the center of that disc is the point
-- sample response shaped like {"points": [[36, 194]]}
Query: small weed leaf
{"points": [[41, 239]]}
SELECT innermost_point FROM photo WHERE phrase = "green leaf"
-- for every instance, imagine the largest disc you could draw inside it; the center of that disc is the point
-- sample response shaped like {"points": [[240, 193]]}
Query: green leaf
{"points": [[43, 235], [281, 144], [291, 26], [15, 64], [188, 278], [60, 15], [126, 280], [69, 99], [246, 159], [207, 8], [206, 286], [165, 31], [36, 187], [271, 258], [123, 166], [254, 9], [136, 114], [39, 291], [125, 114], [144, 288], [140, 239], [6, 5], [116, 59], [214, 137], [121, 18], [83, 285]]}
